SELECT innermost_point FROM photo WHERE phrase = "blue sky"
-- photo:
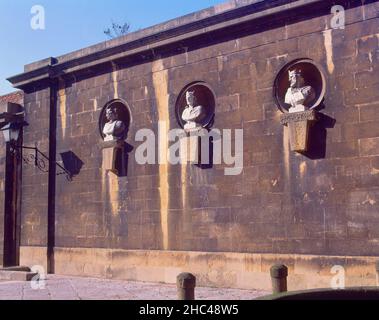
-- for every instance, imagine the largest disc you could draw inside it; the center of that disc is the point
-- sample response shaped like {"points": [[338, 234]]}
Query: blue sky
{"points": [[74, 24]]}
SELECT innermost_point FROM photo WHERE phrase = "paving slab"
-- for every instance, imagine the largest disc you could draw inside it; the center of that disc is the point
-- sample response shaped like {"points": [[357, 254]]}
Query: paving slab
{"points": [[57, 287]]}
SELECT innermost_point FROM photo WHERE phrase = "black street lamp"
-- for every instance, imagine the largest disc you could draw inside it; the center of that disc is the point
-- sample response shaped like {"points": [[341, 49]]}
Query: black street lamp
{"points": [[12, 121], [11, 131], [11, 126]]}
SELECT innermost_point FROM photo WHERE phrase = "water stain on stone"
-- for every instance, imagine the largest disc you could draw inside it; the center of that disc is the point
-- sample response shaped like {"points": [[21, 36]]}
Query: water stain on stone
{"points": [[62, 107], [160, 82], [328, 43]]}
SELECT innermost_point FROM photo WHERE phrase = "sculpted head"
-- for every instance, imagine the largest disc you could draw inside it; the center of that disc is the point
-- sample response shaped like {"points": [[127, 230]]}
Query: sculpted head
{"points": [[111, 114], [191, 98], [296, 78]]}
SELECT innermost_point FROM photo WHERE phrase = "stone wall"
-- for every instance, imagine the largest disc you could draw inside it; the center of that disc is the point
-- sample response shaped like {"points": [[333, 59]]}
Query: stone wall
{"points": [[283, 202], [34, 181], [2, 195], [324, 203]]}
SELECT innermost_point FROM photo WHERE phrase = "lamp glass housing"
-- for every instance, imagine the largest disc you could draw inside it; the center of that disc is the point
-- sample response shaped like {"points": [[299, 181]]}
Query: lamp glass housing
{"points": [[11, 132]]}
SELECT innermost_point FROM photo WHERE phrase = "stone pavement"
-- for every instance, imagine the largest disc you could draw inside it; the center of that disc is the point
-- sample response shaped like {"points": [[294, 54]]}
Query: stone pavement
{"points": [[75, 288]]}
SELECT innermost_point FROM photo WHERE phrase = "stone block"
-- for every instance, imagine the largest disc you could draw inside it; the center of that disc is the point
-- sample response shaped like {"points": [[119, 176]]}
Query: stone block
{"points": [[362, 96], [299, 124], [369, 147], [367, 79], [6, 275]]}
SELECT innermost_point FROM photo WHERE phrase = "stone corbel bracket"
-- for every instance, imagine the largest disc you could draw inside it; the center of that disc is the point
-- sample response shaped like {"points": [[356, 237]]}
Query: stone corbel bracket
{"points": [[113, 156], [299, 124]]}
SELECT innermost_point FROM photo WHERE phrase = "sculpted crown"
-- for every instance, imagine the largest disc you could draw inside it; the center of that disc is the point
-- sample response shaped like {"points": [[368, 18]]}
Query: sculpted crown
{"points": [[295, 72]]}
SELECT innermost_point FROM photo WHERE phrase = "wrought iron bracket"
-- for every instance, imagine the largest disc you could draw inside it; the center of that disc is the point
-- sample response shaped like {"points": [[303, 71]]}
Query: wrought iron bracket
{"points": [[35, 157]]}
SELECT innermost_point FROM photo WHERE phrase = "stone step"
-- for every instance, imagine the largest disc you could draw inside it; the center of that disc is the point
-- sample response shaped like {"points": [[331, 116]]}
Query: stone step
{"points": [[16, 268], [6, 275]]}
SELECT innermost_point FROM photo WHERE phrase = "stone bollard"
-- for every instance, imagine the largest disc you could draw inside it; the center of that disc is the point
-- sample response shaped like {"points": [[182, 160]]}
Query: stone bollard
{"points": [[186, 283], [279, 273]]}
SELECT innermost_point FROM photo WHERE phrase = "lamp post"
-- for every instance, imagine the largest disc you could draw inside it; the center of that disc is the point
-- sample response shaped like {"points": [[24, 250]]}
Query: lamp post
{"points": [[11, 124], [12, 121], [11, 132]]}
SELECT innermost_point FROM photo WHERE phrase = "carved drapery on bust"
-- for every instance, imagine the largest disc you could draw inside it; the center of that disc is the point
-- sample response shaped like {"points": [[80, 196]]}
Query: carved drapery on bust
{"points": [[298, 95], [192, 114], [195, 107], [114, 124], [299, 89], [195, 111], [114, 129]]}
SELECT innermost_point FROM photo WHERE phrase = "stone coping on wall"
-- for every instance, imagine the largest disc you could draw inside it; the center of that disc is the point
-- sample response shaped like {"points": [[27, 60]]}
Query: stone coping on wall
{"points": [[209, 20], [224, 270]]}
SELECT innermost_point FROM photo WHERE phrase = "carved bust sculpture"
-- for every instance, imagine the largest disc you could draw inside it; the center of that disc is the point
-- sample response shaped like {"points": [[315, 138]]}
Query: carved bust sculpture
{"points": [[298, 95], [114, 129], [192, 114]]}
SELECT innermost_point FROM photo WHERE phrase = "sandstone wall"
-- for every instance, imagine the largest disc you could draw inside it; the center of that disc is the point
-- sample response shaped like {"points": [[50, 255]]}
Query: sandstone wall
{"points": [[324, 203]]}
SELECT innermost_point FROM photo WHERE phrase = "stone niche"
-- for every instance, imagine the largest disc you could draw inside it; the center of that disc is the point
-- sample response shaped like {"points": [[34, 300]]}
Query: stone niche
{"points": [[195, 111], [299, 91], [114, 125]]}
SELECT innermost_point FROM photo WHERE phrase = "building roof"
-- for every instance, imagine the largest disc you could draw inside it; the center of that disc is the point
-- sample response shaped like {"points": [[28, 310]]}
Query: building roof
{"points": [[14, 97], [149, 41]]}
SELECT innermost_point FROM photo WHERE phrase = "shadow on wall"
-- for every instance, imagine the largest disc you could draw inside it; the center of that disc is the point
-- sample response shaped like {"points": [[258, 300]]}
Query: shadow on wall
{"points": [[208, 163], [124, 163], [318, 136], [206, 156], [72, 163]]}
